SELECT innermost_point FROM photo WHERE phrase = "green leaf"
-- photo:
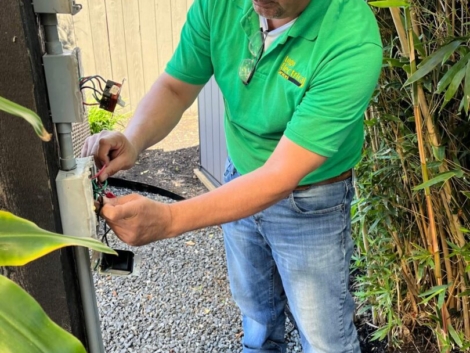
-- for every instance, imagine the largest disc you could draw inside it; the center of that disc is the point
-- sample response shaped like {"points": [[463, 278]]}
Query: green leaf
{"points": [[455, 336], [464, 230], [30, 116], [390, 3], [440, 299], [391, 62], [418, 45], [436, 290], [25, 327], [454, 85], [466, 193], [22, 241], [439, 179], [439, 152], [450, 74], [432, 61], [466, 89]]}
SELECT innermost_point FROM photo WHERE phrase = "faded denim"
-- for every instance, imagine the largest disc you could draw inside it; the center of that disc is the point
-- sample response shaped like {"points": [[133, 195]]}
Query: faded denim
{"points": [[300, 249]]}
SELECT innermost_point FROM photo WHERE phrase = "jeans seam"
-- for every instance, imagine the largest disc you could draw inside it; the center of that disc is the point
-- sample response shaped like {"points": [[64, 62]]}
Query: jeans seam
{"points": [[271, 293], [343, 293], [343, 280]]}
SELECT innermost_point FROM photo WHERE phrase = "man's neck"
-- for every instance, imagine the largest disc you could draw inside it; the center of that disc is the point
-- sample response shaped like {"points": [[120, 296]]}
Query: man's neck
{"points": [[278, 22]]}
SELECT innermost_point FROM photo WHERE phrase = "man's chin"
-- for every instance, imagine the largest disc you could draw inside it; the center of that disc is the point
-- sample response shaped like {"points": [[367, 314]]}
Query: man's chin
{"points": [[267, 10]]}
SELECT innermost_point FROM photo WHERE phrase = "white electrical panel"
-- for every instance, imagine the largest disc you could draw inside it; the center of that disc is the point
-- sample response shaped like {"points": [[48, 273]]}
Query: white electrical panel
{"points": [[76, 203]]}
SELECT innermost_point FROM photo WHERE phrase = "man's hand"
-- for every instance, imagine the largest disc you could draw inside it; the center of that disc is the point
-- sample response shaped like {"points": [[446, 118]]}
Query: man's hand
{"points": [[112, 149], [137, 220]]}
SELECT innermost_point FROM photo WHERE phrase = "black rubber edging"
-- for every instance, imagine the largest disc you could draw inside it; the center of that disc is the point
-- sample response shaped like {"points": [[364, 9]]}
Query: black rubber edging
{"points": [[141, 187]]}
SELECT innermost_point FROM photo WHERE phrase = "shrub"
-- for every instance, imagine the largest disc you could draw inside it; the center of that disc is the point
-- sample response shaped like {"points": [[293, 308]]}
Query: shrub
{"points": [[100, 119]]}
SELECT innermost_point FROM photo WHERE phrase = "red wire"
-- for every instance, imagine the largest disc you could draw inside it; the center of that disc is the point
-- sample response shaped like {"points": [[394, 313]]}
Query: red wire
{"points": [[99, 173]]}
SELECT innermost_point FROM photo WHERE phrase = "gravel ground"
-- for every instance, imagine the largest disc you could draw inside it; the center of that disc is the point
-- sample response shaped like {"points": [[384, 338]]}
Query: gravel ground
{"points": [[180, 301]]}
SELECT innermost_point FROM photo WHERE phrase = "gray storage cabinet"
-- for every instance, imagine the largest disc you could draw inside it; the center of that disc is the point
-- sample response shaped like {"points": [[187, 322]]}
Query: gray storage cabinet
{"points": [[212, 147]]}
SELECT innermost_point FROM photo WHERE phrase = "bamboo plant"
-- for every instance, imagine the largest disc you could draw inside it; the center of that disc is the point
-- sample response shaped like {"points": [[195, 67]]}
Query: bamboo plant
{"points": [[413, 209]]}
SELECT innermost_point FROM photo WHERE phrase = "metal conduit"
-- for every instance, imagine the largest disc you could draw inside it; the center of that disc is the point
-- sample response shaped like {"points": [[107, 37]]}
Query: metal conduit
{"points": [[67, 162]]}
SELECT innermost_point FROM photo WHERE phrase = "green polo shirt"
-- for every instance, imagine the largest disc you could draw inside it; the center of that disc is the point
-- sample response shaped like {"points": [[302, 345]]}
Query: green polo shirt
{"points": [[311, 85]]}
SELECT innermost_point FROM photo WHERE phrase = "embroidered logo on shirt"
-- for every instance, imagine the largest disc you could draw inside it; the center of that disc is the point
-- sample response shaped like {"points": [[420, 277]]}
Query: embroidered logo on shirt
{"points": [[287, 71]]}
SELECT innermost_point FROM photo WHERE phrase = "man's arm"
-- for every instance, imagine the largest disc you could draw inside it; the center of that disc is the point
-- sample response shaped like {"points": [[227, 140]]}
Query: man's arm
{"points": [[160, 111], [157, 114], [137, 220], [247, 194]]}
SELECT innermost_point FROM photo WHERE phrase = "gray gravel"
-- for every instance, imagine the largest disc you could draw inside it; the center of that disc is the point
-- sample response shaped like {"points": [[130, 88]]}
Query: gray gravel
{"points": [[180, 301]]}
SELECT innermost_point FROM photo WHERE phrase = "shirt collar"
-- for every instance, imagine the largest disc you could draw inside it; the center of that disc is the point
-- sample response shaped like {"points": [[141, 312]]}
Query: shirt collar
{"points": [[309, 22], [307, 25]]}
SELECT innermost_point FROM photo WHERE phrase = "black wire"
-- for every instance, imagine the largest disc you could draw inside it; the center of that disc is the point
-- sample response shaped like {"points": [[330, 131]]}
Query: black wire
{"points": [[106, 231], [92, 88], [98, 76], [94, 92]]}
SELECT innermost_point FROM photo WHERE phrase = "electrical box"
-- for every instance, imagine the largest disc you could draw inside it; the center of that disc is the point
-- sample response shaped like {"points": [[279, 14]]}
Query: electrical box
{"points": [[75, 192], [63, 73], [56, 6]]}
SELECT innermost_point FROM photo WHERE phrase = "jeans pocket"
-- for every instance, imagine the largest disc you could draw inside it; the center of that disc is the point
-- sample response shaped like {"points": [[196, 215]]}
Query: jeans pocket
{"points": [[230, 170], [321, 199]]}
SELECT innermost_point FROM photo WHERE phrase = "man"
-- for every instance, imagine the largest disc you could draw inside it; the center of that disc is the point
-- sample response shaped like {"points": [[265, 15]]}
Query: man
{"points": [[296, 76]]}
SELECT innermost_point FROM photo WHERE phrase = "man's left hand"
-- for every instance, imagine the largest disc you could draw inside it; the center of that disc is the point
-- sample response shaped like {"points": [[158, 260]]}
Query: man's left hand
{"points": [[137, 220]]}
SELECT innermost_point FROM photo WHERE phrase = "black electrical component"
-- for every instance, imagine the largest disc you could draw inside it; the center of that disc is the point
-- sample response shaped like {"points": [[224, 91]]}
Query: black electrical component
{"points": [[123, 264], [110, 96]]}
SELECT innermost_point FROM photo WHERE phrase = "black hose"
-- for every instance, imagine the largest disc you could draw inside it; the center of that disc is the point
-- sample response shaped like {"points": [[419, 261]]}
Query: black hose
{"points": [[141, 187]]}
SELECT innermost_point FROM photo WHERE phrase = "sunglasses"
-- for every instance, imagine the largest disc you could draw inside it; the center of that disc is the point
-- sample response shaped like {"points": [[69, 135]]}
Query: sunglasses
{"points": [[248, 66]]}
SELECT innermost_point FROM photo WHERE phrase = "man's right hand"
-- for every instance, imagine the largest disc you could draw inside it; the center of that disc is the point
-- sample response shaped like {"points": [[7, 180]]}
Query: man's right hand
{"points": [[111, 149]]}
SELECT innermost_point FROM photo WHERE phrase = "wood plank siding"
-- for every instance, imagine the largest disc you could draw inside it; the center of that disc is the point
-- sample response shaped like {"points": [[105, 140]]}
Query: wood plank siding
{"points": [[134, 40], [122, 39]]}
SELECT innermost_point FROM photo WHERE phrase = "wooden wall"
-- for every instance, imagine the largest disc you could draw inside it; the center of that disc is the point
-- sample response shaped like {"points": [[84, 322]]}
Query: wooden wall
{"points": [[126, 39]]}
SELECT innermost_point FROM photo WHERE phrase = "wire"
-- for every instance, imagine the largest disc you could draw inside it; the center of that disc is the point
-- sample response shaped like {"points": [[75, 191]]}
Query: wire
{"points": [[98, 79], [99, 173], [90, 79]]}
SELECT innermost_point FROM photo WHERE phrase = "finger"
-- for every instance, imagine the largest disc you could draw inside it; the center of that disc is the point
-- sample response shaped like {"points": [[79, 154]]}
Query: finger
{"points": [[120, 212], [109, 151], [100, 151], [115, 202], [121, 200]]}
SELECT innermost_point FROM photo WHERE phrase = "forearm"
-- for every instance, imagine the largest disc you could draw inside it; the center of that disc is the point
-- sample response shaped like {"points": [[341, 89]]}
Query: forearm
{"points": [[159, 111], [247, 194], [240, 198]]}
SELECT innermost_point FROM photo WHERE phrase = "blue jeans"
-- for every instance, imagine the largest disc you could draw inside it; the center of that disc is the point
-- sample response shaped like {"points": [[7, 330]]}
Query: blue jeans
{"points": [[298, 249]]}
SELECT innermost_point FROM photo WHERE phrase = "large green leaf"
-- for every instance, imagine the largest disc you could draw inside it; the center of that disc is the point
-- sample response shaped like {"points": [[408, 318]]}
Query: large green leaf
{"points": [[432, 61], [25, 327], [22, 241], [30, 116]]}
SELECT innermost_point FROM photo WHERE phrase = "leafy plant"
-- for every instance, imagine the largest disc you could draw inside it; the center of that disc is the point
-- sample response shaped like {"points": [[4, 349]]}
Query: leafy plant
{"points": [[413, 211], [100, 119], [24, 326]]}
